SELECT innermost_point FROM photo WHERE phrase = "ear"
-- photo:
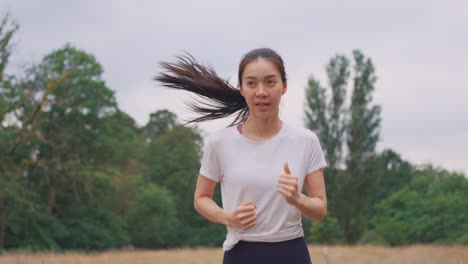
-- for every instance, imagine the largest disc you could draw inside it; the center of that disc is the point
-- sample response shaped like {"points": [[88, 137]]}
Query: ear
{"points": [[285, 88]]}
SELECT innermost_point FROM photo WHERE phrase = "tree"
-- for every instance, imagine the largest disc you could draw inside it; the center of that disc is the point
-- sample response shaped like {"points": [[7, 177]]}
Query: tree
{"points": [[152, 220], [363, 135], [326, 231], [395, 173], [355, 127], [12, 190], [172, 160], [66, 123], [7, 31], [327, 117], [71, 120], [431, 209], [159, 122]]}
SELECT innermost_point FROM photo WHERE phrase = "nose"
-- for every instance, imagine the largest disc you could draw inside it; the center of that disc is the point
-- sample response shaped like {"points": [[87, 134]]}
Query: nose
{"points": [[261, 91]]}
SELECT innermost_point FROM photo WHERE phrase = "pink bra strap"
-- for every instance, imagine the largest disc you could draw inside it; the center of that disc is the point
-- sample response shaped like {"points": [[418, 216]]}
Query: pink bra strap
{"points": [[239, 127]]}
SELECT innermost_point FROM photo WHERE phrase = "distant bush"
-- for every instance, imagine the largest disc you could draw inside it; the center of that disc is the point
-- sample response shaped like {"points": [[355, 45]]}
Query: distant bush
{"points": [[153, 221], [429, 210], [326, 231]]}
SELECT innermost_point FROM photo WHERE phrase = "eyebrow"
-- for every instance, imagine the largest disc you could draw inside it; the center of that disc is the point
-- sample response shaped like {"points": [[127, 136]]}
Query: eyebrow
{"points": [[266, 77]]}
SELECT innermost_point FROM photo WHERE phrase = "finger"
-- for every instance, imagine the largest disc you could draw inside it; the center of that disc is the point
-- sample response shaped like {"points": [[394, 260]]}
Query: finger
{"points": [[247, 202], [282, 191], [247, 215], [288, 189], [285, 194], [251, 224], [288, 176], [246, 208], [249, 220], [292, 184], [286, 168], [288, 181]]}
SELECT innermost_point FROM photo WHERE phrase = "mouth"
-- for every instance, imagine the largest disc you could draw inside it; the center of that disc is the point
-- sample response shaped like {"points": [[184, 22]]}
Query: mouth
{"points": [[262, 106]]}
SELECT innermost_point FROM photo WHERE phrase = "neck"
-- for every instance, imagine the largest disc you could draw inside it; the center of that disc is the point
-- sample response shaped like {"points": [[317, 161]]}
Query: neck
{"points": [[262, 128]]}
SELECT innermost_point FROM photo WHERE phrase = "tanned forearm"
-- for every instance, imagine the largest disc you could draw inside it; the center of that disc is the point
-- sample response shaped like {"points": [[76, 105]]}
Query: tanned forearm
{"points": [[313, 208], [210, 210]]}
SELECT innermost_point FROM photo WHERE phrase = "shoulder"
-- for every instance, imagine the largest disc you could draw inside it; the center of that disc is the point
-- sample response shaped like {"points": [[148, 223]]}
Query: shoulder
{"points": [[219, 136], [301, 133]]}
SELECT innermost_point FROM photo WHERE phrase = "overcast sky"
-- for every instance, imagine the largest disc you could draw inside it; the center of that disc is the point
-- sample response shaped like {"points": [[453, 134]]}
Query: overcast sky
{"points": [[419, 49]]}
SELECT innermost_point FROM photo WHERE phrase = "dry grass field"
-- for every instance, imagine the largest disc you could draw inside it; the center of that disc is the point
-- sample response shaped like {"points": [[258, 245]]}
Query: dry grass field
{"points": [[337, 254]]}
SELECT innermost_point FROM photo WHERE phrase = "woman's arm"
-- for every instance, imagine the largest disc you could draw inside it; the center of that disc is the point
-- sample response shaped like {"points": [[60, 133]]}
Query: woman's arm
{"points": [[243, 217], [313, 205], [204, 203]]}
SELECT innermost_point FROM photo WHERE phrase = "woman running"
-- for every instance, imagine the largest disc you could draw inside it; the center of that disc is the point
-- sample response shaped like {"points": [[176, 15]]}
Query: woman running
{"points": [[261, 162]]}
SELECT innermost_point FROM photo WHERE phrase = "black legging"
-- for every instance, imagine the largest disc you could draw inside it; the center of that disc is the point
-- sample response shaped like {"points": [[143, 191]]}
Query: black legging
{"points": [[291, 252]]}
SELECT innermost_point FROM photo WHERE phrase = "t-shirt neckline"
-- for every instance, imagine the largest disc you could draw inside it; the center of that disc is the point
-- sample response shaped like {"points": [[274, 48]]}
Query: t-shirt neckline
{"points": [[274, 137]]}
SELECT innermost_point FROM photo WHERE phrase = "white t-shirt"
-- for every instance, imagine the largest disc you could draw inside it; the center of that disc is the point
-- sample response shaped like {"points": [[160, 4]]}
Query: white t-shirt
{"points": [[250, 170]]}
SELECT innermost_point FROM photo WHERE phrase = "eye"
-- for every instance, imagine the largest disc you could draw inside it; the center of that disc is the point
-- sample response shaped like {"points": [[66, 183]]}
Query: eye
{"points": [[250, 84], [271, 82]]}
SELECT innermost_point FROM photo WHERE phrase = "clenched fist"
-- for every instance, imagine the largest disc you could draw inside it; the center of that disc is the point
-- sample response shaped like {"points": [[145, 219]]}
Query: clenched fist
{"points": [[244, 217], [287, 186]]}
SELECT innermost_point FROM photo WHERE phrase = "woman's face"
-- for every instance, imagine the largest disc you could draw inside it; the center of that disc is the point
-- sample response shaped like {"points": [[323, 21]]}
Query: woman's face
{"points": [[262, 88]]}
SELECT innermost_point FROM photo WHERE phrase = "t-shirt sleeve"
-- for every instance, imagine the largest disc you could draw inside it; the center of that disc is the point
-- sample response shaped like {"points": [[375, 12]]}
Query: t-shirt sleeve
{"points": [[210, 166], [316, 156]]}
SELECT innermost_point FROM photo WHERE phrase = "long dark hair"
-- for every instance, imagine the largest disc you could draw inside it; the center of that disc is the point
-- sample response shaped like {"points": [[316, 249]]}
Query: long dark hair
{"points": [[217, 98]]}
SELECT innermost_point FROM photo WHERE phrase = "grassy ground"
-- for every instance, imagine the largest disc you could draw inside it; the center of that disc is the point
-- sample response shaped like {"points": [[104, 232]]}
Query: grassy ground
{"points": [[337, 254]]}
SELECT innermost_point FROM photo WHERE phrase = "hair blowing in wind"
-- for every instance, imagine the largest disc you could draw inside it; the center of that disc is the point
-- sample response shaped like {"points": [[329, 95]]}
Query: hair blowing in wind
{"points": [[216, 97]]}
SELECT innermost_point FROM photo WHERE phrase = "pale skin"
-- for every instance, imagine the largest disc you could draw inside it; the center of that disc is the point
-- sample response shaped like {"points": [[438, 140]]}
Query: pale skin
{"points": [[262, 84]]}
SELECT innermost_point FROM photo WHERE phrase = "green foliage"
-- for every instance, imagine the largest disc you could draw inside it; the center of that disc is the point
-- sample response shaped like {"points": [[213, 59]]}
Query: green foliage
{"points": [[21, 216], [198, 231], [327, 231], [92, 223], [34, 230], [463, 239], [121, 140], [172, 161], [7, 31], [394, 174], [427, 211], [153, 220], [202, 232], [325, 113], [357, 125], [92, 227], [65, 128], [159, 122]]}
